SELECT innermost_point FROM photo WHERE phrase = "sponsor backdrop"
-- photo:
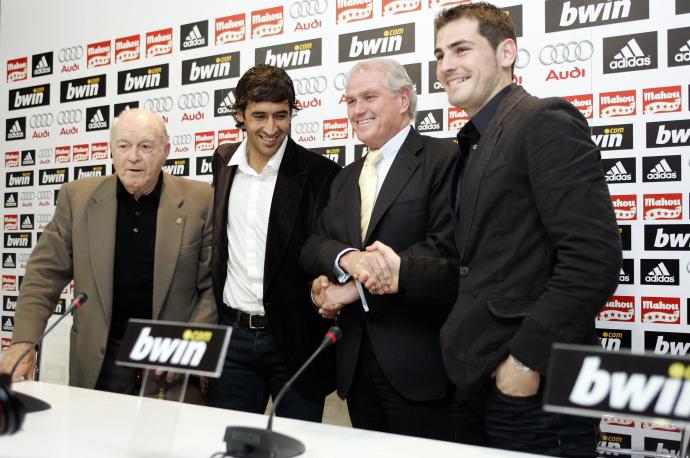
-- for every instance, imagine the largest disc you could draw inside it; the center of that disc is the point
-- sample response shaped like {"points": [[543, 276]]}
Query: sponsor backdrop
{"points": [[623, 63]]}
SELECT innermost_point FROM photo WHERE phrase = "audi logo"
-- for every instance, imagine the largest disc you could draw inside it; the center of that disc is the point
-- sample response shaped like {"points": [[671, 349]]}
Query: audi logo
{"points": [[159, 105], [340, 81], [522, 58], [25, 196], [306, 8], [179, 140], [43, 218], [22, 257], [69, 117], [566, 52], [70, 54], [45, 153], [193, 100], [44, 195], [41, 120], [307, 128], [311, 85]]}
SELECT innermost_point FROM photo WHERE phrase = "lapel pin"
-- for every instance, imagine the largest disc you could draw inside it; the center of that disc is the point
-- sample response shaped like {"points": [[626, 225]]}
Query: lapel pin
{"points": [[179, 220]]}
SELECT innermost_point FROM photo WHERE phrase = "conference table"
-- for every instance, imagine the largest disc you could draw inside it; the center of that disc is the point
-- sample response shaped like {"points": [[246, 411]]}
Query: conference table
{"points": [[89, 423]]}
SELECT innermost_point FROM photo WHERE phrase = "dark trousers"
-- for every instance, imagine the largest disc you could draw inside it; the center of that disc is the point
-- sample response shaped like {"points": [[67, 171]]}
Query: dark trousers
{"points": [[253, 371], [114, 378], [493, 419], [375, 404]]}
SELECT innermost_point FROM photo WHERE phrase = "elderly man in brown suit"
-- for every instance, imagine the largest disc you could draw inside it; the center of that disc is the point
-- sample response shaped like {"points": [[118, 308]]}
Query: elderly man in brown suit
{"points": [[138, 243]]}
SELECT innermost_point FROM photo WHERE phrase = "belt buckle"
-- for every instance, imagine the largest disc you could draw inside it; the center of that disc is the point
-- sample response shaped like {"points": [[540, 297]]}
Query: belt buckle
{"points": [[251, 324]]}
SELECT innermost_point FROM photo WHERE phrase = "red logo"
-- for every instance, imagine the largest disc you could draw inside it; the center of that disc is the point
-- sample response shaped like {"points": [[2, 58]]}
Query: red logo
{"points": [[159, 43], [335, 129], [230, 29], [443, 3], [625, 206], [99, 151], [583, 102], [229, 136], [11, 222], [17, 69], [617, 103], [268, 22], [98, 54], [353, 10], [62, 154], [390, 7], [80, 153], [457, 118], [5, 345], [663, 206], [618, 308], [661, 310], [574, 73], [12, 159], [9, 283], [671, 428], [126, 49], [204, 141], [661, 100], [615, 421]]}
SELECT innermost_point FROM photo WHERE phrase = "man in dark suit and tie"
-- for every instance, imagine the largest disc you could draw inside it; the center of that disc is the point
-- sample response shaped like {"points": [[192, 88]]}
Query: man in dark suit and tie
{"points": [[389, 359], [268, 192]]}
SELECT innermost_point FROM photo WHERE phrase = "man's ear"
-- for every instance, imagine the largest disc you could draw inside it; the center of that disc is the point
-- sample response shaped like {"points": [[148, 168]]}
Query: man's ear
{"points": [[506, 53]]}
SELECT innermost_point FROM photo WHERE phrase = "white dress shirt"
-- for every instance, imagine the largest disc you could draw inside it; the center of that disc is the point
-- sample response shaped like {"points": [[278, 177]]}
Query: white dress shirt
{"points": [[249, 208]]}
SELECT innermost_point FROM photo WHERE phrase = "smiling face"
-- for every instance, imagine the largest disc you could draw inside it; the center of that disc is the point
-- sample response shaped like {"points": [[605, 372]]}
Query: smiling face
{"points": [[266, 124], [471, 71], [376, 113]]}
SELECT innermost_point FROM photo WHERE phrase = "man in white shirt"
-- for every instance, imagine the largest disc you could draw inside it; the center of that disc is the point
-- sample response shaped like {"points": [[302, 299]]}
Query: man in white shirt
{"points": [[268, 192]]}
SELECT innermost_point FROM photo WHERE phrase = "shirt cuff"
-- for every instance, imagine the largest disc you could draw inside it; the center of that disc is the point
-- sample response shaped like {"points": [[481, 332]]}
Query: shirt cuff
{"points": [[339, 273]]}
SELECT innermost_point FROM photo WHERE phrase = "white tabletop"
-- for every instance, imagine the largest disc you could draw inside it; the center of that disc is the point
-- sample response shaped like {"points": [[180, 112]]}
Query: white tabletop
{"points": [[88, 423]]}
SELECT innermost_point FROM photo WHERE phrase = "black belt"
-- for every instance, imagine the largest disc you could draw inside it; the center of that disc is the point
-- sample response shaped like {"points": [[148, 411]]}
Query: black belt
{"points": [[238, 317]]}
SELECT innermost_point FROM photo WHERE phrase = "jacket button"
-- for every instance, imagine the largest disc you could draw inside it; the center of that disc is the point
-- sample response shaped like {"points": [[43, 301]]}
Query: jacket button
{"points": [[464, 270], [102, 351]]}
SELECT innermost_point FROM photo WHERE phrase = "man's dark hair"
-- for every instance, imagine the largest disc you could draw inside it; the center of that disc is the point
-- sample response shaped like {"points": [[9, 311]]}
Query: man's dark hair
{"points": [[263, 83], [494, 24]]}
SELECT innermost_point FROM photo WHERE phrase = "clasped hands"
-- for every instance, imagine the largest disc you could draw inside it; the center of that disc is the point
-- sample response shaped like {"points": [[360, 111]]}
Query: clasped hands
{"points": [[377, 269]]}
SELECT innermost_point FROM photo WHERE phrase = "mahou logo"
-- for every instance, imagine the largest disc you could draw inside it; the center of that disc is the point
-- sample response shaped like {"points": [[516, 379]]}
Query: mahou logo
{"points": [[17, 69], [661, 310], [613, 137], [63, 154], [98, 54], [12, 159], [353, 10], [230, 29], [625, 207], [267, 22], [99, 151], [335, 129], [630, 52], [663, 206], [159, 42], [9, 282], [390, 7], [229, 136], [80, 153], [204, 141], [11, 222], [127, 48], [661, 100], [617, 103], [457, 118], [618, 308], [386, 41], [583, 102], [289, 56]]}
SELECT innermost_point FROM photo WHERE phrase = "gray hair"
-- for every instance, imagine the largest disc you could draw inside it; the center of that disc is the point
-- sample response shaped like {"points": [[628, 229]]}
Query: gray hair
{"points": [[395, 79]]}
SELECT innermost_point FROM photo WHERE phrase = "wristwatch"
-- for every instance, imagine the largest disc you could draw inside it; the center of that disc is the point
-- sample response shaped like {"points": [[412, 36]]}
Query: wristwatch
{"points": [[522, 367]]}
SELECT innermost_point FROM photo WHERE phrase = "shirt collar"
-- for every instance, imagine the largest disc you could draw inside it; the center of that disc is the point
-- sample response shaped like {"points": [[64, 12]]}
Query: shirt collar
{"points": [[484, 117], [240, 159], [121, 191], [392, 146]]}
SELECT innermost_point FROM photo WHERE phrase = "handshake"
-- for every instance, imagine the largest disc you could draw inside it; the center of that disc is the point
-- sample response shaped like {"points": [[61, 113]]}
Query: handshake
{"points": [[377, 269]]}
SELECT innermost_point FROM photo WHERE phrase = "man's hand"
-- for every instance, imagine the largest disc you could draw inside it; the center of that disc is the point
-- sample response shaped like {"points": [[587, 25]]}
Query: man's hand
{"points": [[331, 298], [369, 264], [392, 261], [512, 381], [25, 368], [169, 376]]}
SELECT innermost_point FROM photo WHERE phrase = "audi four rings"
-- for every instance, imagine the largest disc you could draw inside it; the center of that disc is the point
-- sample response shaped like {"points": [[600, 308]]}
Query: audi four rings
{"points": [[70, 54], [307, 128], [44, 195], [339, 81], [69, 117], [566, 52], [307, 8], [311, 85], [522, 59], [41, 120], [45, 153], [159, 104], [178, 140], [193, 100], [28, 195]]}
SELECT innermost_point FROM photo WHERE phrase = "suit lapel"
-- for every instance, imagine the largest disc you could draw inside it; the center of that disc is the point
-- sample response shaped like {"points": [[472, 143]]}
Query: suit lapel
{"points": [[101, 221], [353, 205], [169, 229]]}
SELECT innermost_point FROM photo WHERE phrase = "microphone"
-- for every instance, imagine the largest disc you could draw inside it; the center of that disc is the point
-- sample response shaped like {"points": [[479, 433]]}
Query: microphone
{"points": [[14, 406], [246, 442]]}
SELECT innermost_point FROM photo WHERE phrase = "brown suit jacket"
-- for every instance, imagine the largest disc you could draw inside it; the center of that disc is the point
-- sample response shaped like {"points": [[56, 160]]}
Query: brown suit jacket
{"points": [[79, 243]]}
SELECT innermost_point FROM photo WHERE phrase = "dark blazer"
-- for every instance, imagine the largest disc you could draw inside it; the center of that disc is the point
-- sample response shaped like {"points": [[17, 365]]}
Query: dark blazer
{"points": [[538, 241], [301, 192], [412, 215]]}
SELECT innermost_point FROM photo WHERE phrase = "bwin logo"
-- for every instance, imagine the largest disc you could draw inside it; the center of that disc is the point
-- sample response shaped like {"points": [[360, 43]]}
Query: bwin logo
{"points": [[97, 121], [660, 274], [288, 59], [142, 82], [635, 392], [204, 72], [591, 14], [675, 136], [164, 350], [630, 56], [375, 46]]}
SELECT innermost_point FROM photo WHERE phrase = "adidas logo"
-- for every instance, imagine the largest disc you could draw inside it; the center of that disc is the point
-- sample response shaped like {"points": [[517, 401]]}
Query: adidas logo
{"points": [[27, 159], [660, 274], [7, 325], [226, 104], [15, 132], [42, 67], [194, 38], [622, 276], [618, 173], [683, 54], [630, 56], [429, 123], [97, 121], [27, 223], [10, 201], [662, 171]]}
